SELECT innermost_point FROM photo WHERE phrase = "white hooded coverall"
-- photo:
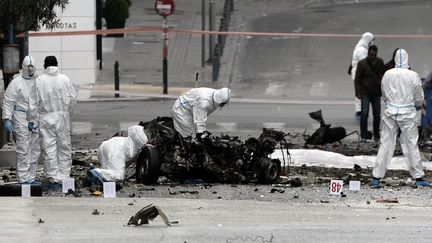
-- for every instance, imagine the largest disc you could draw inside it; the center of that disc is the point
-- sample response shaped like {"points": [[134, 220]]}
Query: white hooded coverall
{"points": [[51, 107], [190, 110], [402, 93], [360, 52], [115, 152], [15, 107]]}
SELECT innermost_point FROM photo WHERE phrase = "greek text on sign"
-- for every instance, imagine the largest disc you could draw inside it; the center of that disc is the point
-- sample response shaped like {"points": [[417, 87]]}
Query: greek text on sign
{"points": [[336, 187]]}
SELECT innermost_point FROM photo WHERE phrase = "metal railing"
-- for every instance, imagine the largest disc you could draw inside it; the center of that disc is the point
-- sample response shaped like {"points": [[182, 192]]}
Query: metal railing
{"points": [[220, 45]]}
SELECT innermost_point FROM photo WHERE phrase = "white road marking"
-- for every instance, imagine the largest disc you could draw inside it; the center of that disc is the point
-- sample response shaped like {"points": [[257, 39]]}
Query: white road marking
{"points": [[298, 30], [78, 128], [274, 125], [274, 87], [227, 126], [319, 89]]}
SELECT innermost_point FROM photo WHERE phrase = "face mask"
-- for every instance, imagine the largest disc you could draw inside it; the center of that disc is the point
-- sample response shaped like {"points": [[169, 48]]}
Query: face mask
{"points": [[30, 70]]}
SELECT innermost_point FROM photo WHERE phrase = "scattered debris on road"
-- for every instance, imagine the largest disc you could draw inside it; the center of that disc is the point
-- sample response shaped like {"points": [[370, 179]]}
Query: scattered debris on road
{"points": [[387, 200], [325, 133], [147, 213]]}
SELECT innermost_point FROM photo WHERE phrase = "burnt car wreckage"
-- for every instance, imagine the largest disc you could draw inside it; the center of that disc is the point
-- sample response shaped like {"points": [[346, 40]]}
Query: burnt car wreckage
{"points": [[223, 159]]}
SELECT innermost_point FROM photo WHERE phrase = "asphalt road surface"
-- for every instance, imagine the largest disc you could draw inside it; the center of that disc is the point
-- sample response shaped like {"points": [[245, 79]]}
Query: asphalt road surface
{"points": [[73, 220], [316, 67]]}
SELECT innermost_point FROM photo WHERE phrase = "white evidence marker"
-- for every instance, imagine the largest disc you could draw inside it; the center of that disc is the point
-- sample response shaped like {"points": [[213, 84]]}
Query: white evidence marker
{"points": [[354, 185], [109, 190], [25, 190], [67, 184], [336, 187]]}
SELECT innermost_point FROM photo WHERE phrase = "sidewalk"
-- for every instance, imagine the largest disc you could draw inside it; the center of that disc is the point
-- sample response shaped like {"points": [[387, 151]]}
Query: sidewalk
{"points": [[140, 55]]}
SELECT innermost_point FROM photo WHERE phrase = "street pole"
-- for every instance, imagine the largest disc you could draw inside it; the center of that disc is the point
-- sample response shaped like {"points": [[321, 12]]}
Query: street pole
{"points": [[99, 6], [165, 55], [212, 17], [116, 80], [203, 9], [10, 25]]}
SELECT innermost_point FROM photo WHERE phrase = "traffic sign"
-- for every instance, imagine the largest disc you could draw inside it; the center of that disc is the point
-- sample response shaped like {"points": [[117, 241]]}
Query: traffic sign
{"points": [[164, 7]]}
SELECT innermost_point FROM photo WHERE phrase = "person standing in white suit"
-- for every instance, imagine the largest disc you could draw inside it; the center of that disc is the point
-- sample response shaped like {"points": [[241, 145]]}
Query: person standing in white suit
{"points": [[403, 96], [15, 107], [50, 109]]}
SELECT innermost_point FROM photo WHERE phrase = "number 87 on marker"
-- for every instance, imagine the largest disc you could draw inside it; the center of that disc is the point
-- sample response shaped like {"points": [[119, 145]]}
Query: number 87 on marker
{"points": [[336, 187]]}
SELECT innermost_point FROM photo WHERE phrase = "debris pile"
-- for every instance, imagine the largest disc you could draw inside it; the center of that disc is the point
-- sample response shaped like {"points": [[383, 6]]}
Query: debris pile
{"points": [[223, 159]]}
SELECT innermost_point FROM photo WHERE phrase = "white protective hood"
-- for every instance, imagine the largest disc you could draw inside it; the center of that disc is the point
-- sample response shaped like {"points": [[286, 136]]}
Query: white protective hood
{"points": [[401, 88], [17, 95], [28, 60], [360, 51]]}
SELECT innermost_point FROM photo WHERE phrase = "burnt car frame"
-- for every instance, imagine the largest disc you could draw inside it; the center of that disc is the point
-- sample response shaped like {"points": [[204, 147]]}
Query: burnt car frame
{"points": [[223, 159]]}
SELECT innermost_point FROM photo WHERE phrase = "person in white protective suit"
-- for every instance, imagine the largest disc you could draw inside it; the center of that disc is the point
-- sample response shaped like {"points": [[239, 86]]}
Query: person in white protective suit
{"points": [[115, 152], [15, 107], [360, 52], [403, 95], [50, 107], [190, 110]]}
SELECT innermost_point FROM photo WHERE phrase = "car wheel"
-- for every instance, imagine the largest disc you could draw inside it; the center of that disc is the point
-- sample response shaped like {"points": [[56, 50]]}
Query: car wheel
{"points": [[268, 170], [148, 165]]}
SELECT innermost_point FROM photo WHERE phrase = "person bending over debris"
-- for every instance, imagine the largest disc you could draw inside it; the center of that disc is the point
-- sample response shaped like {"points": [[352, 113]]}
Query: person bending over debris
{"points": [[403, 95], [115, 152], [190, 110]]}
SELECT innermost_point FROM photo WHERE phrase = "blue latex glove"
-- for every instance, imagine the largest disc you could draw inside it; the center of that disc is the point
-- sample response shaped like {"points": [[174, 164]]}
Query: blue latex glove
{"points": [[32, 126], [8, 125]]}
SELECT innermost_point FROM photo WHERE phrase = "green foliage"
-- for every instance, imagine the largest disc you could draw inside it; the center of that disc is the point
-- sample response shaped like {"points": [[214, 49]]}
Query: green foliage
{"points": [[29, 15], [116, 11]]}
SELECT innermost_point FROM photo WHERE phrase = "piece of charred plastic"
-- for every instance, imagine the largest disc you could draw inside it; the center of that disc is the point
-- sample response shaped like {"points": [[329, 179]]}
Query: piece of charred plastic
{"points": [[147, 213]]}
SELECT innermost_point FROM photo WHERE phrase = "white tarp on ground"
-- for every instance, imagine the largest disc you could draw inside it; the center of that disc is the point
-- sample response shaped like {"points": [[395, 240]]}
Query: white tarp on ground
{"points": [[315, 157]]}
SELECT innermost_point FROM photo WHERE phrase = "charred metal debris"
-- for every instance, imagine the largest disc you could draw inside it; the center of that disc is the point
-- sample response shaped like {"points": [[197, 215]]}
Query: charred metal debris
{"points": [[148, 213], [325, 133], [223, 159]]}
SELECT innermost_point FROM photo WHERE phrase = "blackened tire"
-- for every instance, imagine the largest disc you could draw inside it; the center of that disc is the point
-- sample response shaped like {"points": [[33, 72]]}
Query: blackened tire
{"points": [[268, 170], [148, 165]]}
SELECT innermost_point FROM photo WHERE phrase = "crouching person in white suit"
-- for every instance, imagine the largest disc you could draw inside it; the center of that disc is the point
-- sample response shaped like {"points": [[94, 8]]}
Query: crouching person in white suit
{"points": [[114, 153]]}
